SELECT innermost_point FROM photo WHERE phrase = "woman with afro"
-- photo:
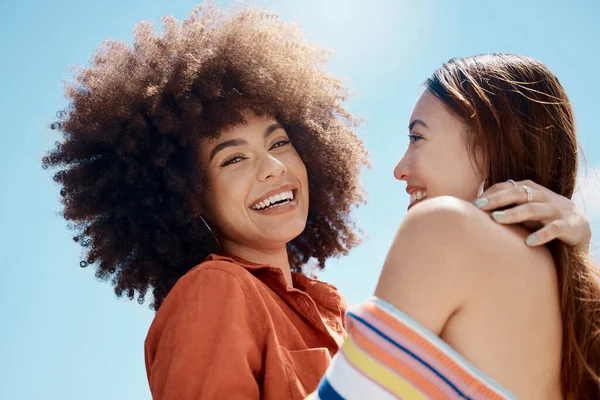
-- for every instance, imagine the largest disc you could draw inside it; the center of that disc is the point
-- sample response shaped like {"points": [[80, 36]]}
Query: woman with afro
{"points": [[210, 166]]}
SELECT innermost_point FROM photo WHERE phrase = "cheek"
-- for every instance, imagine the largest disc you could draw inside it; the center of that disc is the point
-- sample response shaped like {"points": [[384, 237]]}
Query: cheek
{"points": [[302, 174], [427, 166], [228, 195], [460, 177], [297, 168], [444, 169], [467, 170]]}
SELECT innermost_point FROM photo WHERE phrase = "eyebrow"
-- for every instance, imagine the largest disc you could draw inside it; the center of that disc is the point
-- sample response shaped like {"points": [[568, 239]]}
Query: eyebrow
{"points": [[417, 122], [241, 142]]}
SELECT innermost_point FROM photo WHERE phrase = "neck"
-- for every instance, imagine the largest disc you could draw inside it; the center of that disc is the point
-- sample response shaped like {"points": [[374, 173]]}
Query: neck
{"points": [[276, 257]]}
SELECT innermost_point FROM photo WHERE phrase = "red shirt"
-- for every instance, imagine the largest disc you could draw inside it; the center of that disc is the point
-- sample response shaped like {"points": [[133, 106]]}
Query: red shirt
{"points": [[232, 329]]}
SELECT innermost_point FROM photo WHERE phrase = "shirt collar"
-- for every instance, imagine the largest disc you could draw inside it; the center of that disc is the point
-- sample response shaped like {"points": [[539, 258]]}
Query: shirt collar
{"points": [[319, 291]]}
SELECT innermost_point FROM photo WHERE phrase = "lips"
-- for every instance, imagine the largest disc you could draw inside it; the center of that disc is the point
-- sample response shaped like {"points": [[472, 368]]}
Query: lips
{"points": [[277, 197]]}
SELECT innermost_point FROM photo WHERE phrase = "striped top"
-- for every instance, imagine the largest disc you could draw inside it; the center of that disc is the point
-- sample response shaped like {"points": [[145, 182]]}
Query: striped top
{"points": [[388, 355]]}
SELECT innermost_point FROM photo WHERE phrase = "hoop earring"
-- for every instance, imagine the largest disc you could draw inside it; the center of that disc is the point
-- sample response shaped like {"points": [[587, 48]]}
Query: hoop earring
{"points": [[211, 232], [481, 189]]}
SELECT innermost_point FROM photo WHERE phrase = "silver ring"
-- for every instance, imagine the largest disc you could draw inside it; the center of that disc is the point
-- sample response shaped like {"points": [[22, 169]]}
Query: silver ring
{"points": [[529, 192], [513, 182]]}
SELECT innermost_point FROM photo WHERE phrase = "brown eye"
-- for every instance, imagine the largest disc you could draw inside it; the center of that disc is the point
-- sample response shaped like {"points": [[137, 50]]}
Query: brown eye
{"points": [[414, 138], [280, 144], [232, 160]]}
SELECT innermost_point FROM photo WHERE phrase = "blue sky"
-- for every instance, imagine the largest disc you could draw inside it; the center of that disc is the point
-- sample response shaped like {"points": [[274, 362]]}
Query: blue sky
{"points": [[64, 335]]}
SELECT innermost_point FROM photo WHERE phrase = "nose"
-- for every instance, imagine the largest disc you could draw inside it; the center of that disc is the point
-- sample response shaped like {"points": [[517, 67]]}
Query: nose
{"points": [[270, 167], [403, 168]]}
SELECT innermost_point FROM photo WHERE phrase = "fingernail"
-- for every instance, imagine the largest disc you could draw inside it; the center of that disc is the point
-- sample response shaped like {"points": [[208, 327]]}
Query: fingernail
{"points": [[498, 215], [531, 240], [480, 203]]}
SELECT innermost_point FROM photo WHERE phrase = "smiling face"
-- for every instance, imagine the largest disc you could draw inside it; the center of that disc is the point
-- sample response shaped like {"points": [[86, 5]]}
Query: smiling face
{"points": [[437, 161], [258, 185]]}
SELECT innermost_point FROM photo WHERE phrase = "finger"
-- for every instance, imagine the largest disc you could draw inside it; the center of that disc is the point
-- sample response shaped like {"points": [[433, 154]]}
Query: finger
{"points": [[507, 185], [496, 188], [532, 185], [532, 226], [527, 212], [549, 232], [540, 192], [509, 196]]}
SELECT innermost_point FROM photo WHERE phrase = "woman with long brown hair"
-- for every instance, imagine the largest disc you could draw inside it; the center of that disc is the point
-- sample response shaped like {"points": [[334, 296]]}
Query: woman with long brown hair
{"points": [[463, 308]]}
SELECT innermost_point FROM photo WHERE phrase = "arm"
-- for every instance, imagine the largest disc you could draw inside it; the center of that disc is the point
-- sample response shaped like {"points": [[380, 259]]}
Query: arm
{"points": [[202, 344]]}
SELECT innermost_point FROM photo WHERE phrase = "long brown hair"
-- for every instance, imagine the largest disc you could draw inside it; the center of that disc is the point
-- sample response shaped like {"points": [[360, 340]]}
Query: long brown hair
{"points": [[519, 115]]}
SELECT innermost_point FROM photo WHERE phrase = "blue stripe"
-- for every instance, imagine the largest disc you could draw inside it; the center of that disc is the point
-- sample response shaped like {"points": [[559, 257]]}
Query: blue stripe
{"points": [[394, 343], [436, 340], [327, 392]]}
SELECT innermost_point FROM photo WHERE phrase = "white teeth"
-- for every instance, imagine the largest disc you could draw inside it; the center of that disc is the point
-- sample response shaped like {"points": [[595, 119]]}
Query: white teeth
{"points": [[268, 203], [416, 196]]}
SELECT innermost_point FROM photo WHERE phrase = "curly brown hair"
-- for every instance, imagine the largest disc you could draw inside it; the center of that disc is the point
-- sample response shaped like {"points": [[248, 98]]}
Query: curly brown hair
{"points": [[129, 171]]}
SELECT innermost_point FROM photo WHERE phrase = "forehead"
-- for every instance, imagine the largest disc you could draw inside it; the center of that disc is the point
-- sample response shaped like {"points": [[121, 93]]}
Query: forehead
{"points": [[431, 110], [253, 125]]}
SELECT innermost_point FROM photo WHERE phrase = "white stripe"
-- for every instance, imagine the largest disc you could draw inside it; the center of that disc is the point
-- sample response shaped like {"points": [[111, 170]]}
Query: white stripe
{"points": [[351, 384]]}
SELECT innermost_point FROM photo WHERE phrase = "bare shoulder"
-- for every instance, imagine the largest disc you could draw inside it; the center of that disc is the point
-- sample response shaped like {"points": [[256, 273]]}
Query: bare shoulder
{"points": [[446, 223], [447, 250], [426, 272], [445, 214], [478, 245]]}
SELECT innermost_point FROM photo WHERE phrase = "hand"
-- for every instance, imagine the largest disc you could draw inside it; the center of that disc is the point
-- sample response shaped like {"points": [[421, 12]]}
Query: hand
{"points": [[549, 215]]}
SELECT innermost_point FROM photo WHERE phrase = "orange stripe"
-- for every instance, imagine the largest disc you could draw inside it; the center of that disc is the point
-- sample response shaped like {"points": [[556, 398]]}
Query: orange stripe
{"points": [[415, 337], [417, 380], [421, 342]]}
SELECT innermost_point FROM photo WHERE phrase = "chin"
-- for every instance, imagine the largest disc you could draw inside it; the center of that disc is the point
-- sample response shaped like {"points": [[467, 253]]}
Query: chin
{"points": [[288, 232]]}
